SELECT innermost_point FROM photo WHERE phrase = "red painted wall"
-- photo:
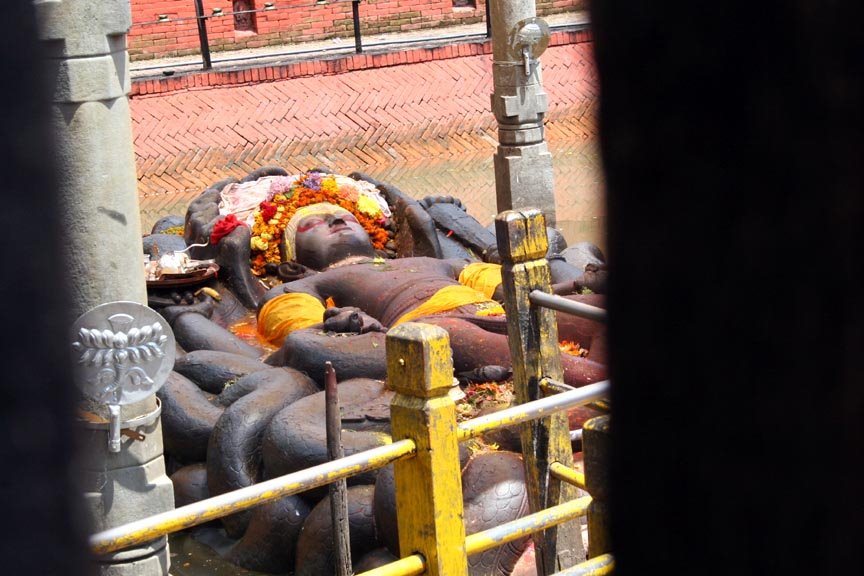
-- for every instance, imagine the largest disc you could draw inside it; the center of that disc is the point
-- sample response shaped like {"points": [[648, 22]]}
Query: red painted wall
{"points": [[294, 21]]}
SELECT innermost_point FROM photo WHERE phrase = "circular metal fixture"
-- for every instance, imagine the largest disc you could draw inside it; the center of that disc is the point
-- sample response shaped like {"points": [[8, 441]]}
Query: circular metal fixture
{"points": [[124, 352]]}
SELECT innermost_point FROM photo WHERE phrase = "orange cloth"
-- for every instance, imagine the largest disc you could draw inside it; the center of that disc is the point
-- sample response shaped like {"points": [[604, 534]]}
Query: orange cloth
{"points": [[451, 297], [287, 313], [481, 276]]}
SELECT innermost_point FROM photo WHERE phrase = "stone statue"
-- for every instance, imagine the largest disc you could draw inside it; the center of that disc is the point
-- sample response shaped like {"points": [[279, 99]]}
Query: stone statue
{"points": [[345, 261]]}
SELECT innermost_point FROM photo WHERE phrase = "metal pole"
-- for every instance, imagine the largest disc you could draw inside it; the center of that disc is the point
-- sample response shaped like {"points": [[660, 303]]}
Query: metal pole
{"points": [[562, 304], [488, 19], [202, 35], [536, 409], [141, 531], [338, 489], [355, 16]]}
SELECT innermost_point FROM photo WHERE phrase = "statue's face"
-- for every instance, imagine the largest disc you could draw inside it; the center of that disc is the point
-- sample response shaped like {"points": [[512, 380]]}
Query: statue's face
{"points": [[324, 239]]}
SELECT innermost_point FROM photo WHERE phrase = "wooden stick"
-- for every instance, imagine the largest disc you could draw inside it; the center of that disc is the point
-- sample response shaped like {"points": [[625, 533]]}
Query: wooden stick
{"points": [[338, 489]]}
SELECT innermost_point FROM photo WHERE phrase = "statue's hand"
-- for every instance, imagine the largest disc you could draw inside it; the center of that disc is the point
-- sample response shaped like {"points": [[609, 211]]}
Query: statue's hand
{"points": [[350, 320], [290, 271], [429, 200]]}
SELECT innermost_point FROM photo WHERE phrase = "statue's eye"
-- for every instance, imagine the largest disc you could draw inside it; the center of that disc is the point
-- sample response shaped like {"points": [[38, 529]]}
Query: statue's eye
{"points": [[309, 223]]}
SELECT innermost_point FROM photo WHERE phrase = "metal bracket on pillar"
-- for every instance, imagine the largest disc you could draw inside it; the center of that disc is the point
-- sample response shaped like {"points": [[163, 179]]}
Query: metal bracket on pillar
{"points": [[528, 40], [125, 352]]}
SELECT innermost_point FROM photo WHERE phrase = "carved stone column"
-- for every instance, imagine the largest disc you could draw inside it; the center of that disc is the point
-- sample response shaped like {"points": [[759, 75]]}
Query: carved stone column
{"points": [[523, 164], [85, 43]]}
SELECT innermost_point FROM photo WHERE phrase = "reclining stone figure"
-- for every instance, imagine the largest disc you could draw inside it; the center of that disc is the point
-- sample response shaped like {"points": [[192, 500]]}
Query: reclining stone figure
{"points": [[341, 292], [367, 296]]}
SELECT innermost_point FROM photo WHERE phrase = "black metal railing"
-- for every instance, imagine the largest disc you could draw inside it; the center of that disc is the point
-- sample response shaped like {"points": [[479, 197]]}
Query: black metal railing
{"points": [[201, 19]]}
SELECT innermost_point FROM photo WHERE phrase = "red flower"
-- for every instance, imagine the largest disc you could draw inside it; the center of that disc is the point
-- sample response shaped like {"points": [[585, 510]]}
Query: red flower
{"points": [[268, 210], [224, 227]]}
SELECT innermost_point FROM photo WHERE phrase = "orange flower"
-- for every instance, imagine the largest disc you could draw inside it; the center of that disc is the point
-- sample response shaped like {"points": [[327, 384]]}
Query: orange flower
{"points": [[572, 348], [287, 204]]}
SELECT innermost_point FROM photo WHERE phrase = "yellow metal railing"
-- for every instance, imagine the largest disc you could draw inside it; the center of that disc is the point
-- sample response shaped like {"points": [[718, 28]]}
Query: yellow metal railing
{"points": [[537, 374], [425, 444], [152, 527]]}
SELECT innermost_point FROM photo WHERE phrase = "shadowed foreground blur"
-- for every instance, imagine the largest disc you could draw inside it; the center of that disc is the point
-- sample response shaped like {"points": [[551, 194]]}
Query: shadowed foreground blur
{"points": [[737, 329]]}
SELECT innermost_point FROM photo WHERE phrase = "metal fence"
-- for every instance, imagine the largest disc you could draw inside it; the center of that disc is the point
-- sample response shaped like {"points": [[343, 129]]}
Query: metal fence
{"points": [[202, 18], [426, 434]]}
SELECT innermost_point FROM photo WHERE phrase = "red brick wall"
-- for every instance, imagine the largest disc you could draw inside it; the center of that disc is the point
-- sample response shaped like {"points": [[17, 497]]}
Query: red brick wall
{"points": [[294, 21]]}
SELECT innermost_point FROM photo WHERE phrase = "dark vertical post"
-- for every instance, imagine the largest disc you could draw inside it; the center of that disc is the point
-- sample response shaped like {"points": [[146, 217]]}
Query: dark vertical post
{"points": [[48, 535], [355, 16], [202, 35], [338, 489], [488, 18]]}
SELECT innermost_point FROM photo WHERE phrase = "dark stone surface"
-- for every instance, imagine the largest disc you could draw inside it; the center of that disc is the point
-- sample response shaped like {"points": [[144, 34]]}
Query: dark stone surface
{"points": [[307, 350], [495, 492], [171, 221], [211, 370], [297, 436], [270, 541], [158, 244], [188, 417], [190, 484], [233, 257], [584, 253], [195, 332], [374, 559], [285, 377], [200, 217], [315, 549], [234, 453]]}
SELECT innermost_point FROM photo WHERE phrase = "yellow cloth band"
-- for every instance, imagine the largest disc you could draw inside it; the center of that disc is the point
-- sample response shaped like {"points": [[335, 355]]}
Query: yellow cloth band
{"points": [[481, 276], [287, 313], [451, 297]]}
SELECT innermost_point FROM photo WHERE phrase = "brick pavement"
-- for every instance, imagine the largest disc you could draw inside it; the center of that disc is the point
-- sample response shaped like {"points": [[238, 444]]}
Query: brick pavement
{"points": [[424, 126]]}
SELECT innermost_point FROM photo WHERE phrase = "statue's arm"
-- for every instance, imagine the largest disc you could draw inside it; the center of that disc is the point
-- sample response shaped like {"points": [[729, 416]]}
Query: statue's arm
{"points": [[568, 279], [305, 286]]}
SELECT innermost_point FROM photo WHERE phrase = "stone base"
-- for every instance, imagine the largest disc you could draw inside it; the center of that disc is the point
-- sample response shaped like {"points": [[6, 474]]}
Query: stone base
{"points": [[523, 179], [154, 565]]}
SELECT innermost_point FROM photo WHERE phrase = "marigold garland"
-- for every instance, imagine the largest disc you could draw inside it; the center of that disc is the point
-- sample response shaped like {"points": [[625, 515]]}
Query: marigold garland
{"points": [[272, 216]]}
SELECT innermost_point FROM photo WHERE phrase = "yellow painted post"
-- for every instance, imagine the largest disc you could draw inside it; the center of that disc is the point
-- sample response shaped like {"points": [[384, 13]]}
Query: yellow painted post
{"points": [[595, 452], [428, 486], [533, 337]]}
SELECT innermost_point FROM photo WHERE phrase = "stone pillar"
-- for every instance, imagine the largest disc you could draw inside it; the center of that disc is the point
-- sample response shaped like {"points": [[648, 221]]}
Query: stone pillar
{"points": [[523, 164], [85, 44]]}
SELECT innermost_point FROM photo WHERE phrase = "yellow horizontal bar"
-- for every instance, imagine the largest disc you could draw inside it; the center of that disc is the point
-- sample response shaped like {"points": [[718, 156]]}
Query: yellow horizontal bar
{"points": [[527, 525], [408, 566], [148, 529], [533, 410], [565, 474], [554, 387], [602, 406], [601, 565]]}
